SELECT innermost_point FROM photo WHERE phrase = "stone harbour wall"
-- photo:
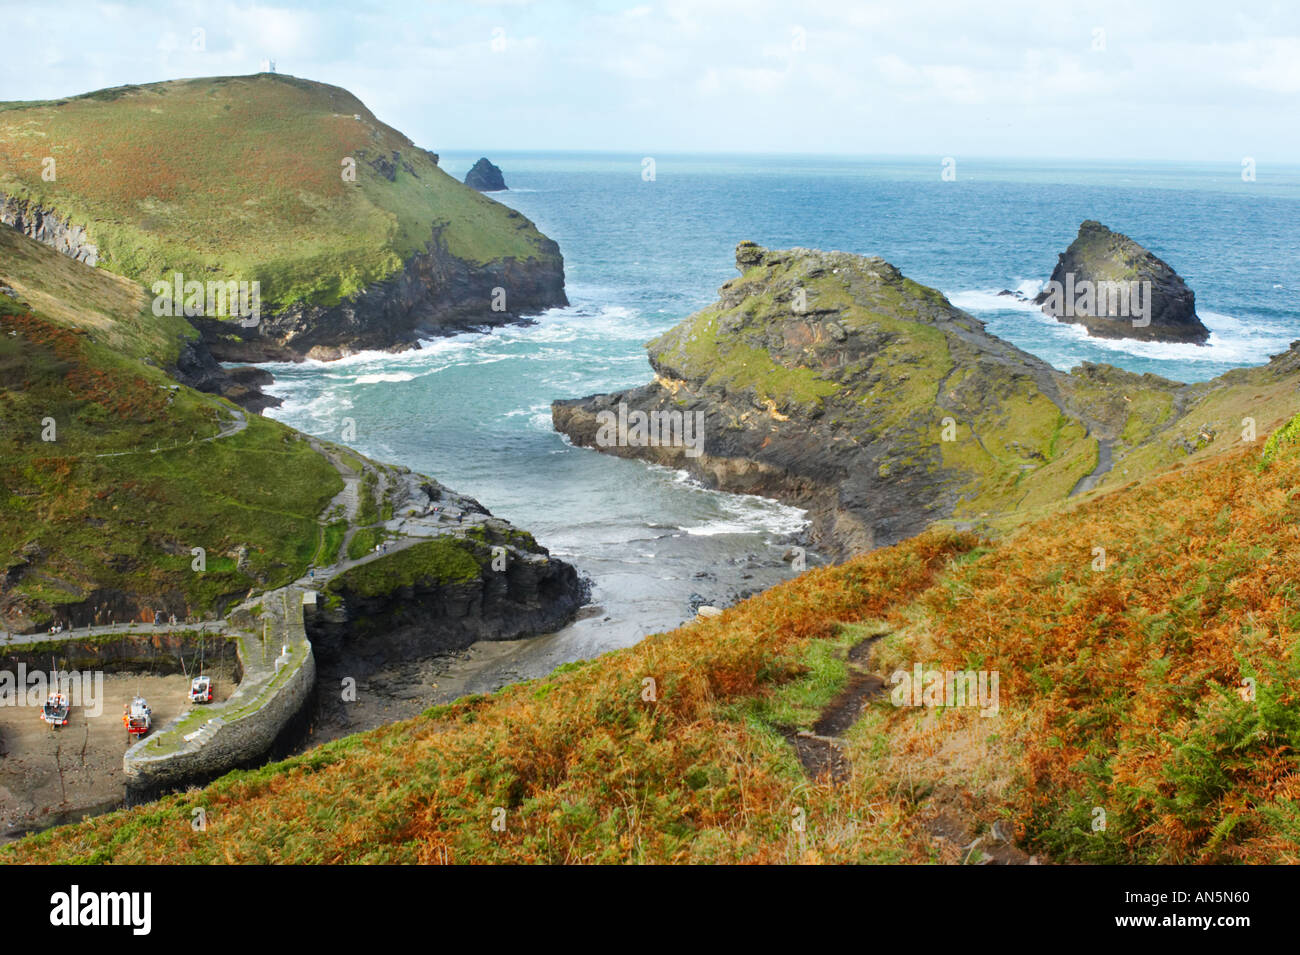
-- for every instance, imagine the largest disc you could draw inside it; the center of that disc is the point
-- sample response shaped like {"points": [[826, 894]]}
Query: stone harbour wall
{"points": [[208, 741]]}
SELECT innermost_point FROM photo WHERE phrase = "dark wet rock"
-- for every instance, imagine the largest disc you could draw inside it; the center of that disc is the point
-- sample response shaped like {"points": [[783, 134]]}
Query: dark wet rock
{"points": [[485, 177], [1153, 304], [197, 368]]}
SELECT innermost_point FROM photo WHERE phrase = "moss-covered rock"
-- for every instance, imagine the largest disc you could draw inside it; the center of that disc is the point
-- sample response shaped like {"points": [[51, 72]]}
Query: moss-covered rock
{"points": [[432, 563], [486, 581], [834, 382]]}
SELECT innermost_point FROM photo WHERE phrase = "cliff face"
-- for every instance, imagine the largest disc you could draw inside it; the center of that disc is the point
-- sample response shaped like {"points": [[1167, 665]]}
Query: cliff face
{"points": [[436, 293], [831, 381], [44, 225], [1153, 304]]}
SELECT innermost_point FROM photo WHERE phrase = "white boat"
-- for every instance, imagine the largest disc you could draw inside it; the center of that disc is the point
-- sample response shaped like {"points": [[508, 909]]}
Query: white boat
{"points": [[137, 717], [55, 710], [201, 689]]}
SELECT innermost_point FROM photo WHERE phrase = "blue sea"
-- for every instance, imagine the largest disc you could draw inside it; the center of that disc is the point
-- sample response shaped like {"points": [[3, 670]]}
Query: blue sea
{"points": [[640, 255]]}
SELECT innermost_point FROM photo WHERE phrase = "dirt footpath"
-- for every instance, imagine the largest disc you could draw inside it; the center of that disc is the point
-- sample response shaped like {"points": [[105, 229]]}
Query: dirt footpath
{"points": [[89, 751]]}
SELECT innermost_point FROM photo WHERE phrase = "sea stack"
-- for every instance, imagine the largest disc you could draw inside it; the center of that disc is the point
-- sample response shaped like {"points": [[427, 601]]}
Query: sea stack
{"points": [[485, 177], [1115, 288]]}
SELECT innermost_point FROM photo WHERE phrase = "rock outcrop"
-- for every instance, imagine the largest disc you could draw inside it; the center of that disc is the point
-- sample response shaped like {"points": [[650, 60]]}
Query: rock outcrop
{"points": [[519, 590], [485, 177], [1115, 288], [45, 225], [832, 382], [196, 367]]}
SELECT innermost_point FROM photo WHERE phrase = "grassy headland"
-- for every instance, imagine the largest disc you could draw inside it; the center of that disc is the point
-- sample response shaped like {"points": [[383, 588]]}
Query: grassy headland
{"points": [[832, 381], [259, 161]]}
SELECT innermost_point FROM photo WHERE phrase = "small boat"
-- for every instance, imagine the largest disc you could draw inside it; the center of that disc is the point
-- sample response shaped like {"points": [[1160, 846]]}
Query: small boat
{"points": [[201, 689], [137, 717], [55, 710]]}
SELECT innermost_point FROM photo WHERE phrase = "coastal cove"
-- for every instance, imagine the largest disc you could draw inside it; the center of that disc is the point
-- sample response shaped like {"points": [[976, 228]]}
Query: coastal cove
{"points": [[473, 409], [606, 434], [579, 434]]}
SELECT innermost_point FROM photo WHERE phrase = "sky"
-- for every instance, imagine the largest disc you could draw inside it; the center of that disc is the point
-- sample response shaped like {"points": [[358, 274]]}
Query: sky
{"points": [[1182, 81]]}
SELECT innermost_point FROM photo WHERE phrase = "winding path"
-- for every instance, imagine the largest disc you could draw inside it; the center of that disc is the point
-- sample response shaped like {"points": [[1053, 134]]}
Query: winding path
{"points": [[226, 430]]}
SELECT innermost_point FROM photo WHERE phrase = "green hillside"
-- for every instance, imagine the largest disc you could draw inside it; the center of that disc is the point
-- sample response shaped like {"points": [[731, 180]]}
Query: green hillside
{"points": [[135, 475], [259, 162], [1122, 698]]}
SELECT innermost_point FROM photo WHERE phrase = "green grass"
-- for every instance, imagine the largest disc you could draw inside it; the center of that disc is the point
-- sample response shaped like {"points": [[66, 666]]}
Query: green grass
{"points": [[331, 540], [363, 541], [1283, 437], [439, 561], [368, 507], [257, 160], [113, 310], [824, 672]]}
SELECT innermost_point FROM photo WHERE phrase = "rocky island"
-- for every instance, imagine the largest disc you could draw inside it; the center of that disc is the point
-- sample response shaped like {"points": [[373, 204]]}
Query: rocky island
{"points": [[1115, 288], [485, 177]]}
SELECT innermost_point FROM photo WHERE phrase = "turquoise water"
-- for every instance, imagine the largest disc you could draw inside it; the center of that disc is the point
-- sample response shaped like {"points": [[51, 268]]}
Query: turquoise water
{"points": [[472, 410]]}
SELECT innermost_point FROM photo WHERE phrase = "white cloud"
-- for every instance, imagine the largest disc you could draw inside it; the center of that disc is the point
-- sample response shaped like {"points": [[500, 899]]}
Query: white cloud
{"points": [[741, 82], [718, 74], [1278, 66]]}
